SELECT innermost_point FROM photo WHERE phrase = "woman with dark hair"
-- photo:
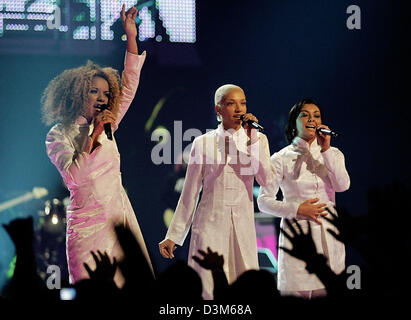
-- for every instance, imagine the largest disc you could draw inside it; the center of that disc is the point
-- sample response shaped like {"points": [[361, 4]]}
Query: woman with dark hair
{"points": [[309, 172], [87, 159]]}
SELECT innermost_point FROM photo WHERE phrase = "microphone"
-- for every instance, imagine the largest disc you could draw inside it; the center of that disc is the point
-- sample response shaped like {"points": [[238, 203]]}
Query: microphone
{"points": [[327, 132], [252, 123], [107, 130], [107, 126]]}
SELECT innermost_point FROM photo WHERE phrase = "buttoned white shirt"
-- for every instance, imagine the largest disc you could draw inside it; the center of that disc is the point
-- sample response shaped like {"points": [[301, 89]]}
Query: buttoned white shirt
{"points": [[303, 172]]}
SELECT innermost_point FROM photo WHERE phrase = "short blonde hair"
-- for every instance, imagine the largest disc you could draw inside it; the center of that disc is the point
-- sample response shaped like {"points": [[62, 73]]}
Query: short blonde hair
{"points": [[220, 94], [66, 95]]}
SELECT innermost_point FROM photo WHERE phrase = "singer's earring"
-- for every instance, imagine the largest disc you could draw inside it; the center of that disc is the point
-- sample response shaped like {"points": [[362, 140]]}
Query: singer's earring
{"points": [[293, 132]]}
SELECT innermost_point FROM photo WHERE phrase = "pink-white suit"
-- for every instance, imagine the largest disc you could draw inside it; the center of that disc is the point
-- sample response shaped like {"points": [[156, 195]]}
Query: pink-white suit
{"points": [[98, 199]]}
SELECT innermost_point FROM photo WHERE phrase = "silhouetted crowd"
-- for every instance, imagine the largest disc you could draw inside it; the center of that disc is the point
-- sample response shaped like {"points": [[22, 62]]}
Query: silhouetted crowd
{"points": [[380, 237]]}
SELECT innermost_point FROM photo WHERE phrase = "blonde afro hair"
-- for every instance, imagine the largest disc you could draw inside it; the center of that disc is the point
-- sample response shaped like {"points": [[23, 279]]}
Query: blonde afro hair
{"points": [[66, 95]]}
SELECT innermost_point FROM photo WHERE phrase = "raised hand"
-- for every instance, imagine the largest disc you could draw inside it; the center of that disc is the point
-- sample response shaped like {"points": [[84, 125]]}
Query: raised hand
{"points": [[105, 270], [211, 260], [347, 231], [303, 244], [214, 262], [251, 132], [323, 140], [305, 250], [102, 118], [128, 20], [21, 231]]}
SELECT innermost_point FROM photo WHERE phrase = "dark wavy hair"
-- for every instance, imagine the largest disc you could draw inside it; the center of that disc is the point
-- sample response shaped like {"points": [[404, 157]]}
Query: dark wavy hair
{"points": [[291, 128]]}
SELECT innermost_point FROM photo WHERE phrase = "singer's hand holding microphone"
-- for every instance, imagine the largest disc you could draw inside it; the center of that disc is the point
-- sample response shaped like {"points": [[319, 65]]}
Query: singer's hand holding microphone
{"points": [[250, 122], [104, 121], [324, 136]]}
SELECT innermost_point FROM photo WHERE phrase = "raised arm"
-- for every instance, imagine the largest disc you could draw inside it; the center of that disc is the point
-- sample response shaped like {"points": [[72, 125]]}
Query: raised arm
{"points": [[128, 20], [133, 62]]}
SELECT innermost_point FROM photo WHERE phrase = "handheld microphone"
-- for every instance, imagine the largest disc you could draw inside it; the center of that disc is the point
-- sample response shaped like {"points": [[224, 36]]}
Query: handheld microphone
{"points": [[252, 123], [327, 132], [107, 126]]}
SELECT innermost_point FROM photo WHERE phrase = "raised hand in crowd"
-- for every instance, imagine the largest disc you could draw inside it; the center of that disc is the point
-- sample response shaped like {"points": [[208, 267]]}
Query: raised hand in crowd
{"points": [[351, 231], [215, 262], [25, 281], [134, 266], [21, 232], [304, 249], [211, 260], [105, 270], [303, 244]]}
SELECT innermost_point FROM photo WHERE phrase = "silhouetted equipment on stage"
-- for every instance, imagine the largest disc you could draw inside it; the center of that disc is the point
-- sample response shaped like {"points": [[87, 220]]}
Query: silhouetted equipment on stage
{"points": [[267, 261], [49, 227], [266, 241], [51, 237]]}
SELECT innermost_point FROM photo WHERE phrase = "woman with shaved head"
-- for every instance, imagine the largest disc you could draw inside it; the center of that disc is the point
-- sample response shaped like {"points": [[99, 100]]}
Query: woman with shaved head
{"points": [[223, 163]]}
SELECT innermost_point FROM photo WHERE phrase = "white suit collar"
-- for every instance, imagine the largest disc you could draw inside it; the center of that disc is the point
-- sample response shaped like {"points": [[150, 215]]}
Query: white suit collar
{"points": [[303, 145], [236, 135]]}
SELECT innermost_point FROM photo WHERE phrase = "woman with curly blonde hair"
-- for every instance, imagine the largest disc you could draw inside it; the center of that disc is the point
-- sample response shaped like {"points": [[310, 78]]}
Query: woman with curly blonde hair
{"points": [[82, 102]]}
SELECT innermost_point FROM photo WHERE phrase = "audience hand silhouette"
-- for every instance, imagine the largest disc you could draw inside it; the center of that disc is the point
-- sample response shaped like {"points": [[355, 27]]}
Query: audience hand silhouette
{"points": [[105, 270], [211, 260], [25, 283], [214, 262], [303, 244], [21, 232], [304, 249], [351, 230], [344, 223]]}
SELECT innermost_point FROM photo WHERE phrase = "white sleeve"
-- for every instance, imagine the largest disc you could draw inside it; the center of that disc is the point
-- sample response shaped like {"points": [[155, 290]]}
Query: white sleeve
{"points": [[335, 163], [184, 213], [75, 168], [267, 198], [130, 79], [265, 173]]}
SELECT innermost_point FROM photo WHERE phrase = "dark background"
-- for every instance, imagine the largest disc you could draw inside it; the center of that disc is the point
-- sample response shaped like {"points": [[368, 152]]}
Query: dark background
{"points": [[279, 52]]}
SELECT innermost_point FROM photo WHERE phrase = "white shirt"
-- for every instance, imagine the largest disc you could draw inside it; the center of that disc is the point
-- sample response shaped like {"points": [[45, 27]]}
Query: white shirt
{"points": [[303, 172]]}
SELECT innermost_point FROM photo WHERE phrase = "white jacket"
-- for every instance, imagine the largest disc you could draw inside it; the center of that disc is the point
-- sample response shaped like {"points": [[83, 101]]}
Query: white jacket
{"points": [[98, 199], [224, 166], [303, 173]]}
